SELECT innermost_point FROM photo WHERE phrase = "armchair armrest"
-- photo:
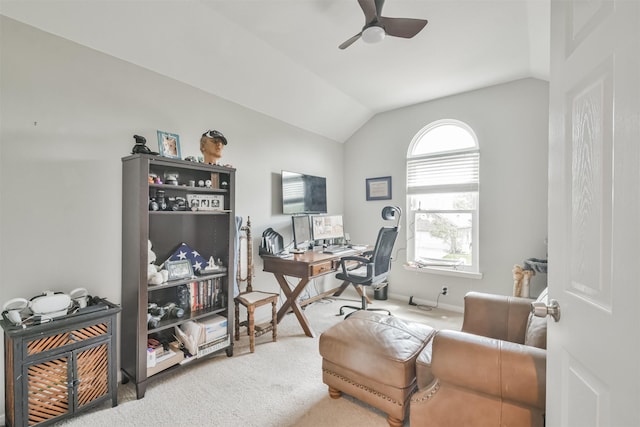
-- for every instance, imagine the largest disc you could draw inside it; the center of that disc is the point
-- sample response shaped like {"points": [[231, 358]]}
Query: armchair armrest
{"points": [[499, 368], [496, 316]]}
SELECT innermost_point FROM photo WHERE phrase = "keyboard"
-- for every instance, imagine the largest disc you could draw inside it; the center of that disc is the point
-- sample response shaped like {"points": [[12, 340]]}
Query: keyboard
{"points": [[337, 250]]}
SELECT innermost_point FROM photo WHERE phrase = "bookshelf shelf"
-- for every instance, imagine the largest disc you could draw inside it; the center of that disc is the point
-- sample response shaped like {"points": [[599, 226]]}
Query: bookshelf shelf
{"points": [[222, 273], [210, 232]]}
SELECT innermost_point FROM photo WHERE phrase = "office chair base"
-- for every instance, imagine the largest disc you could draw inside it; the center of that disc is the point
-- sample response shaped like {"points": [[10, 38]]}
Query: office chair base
{"points": [[356, 309], [353, 307]]}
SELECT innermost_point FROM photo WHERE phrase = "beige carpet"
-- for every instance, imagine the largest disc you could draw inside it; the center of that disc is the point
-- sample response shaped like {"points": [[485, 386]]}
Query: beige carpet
{"points": [[278, 385]]}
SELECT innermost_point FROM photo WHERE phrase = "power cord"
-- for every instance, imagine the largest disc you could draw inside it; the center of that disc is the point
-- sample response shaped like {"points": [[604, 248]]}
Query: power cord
{"points": [[427, 307]]}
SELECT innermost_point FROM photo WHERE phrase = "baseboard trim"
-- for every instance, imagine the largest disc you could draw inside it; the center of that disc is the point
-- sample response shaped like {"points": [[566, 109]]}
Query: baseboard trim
{"points": [[419, 301]]}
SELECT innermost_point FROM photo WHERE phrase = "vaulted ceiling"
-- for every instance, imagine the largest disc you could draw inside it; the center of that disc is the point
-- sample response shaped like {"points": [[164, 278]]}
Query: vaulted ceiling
{"points": [[281, 57]]}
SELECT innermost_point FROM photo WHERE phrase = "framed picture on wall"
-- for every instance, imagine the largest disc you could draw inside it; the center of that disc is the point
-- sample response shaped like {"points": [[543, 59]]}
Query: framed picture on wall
{"points": [[379, 188], [169, 144]]}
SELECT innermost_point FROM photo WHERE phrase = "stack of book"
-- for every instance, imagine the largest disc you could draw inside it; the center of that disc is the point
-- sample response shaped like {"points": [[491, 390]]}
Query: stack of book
{"points": [[206, 294], [159, 359]]}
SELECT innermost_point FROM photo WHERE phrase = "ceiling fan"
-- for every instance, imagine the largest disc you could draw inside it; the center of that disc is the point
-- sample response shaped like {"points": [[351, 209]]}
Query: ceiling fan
{"points": [[376, 26]]}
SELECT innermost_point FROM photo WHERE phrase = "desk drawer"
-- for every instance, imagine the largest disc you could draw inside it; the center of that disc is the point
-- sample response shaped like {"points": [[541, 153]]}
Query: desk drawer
{"points": [[321, 268]]}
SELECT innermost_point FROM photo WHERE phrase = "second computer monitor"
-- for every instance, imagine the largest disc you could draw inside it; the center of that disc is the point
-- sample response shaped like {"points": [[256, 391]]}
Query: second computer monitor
{"points": [[327, 227], [302, 237]]}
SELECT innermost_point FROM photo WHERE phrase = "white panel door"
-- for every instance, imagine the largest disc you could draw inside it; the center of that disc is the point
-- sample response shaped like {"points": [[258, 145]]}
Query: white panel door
{"points": [[593, 368]]}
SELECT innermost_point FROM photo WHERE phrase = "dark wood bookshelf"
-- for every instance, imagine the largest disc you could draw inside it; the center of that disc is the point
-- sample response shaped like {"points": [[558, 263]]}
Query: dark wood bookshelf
{"points": [[211, 233]]}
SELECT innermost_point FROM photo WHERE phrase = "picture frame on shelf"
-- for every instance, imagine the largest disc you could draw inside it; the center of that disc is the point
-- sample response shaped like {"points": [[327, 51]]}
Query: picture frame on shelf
{"points": [[169, 145], [180, 269], [205, 202], [378, 188]]}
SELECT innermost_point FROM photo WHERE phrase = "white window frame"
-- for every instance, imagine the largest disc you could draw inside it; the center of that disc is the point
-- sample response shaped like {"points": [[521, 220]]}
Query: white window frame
{"points": [[471, 185]]}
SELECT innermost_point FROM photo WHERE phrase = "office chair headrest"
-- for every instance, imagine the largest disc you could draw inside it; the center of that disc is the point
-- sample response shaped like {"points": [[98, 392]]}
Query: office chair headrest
{"points": [[392, 212]]}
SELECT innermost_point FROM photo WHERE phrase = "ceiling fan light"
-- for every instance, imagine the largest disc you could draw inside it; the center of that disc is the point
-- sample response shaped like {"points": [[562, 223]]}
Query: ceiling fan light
{"points": [[373, 34]]}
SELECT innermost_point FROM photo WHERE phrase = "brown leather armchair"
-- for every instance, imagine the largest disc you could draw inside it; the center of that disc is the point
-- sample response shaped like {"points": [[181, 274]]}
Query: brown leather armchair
{"points": [[492, 373]]}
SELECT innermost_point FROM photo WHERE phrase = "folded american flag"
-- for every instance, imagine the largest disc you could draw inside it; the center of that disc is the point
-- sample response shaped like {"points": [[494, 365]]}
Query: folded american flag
{"points": [[184, 251]]}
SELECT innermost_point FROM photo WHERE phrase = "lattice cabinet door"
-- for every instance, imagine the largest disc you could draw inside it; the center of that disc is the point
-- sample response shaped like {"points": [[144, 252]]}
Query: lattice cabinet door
{"points": [[91, 374], [47, 393]]}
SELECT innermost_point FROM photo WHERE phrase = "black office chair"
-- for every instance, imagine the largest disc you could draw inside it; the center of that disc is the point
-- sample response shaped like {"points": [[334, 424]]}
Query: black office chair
{"points": [[372, 268]]}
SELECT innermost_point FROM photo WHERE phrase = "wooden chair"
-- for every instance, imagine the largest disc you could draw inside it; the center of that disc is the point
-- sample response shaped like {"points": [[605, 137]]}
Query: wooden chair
{"points": [[251, 299]]}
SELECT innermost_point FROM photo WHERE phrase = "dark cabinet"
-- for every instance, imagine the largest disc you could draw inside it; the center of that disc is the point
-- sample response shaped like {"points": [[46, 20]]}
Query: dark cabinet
{"points": [[170, 202], [57, 369]]}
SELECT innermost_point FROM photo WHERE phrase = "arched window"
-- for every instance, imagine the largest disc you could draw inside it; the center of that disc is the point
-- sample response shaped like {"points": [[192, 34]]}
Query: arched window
{"points": [[442, 196]]}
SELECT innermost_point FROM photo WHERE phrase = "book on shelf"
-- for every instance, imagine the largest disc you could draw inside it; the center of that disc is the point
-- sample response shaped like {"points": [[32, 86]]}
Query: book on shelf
{"points": [[213, 346], [206, 294], [215, 180], [208, 348]]}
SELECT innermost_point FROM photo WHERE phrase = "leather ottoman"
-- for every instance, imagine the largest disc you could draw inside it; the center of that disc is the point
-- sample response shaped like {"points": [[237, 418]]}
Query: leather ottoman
{"points": [[372, 357]]}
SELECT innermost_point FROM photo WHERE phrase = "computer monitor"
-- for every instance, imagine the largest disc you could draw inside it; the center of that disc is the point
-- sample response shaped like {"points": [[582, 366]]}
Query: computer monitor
{"points": [[301, 231], [327, 227]]}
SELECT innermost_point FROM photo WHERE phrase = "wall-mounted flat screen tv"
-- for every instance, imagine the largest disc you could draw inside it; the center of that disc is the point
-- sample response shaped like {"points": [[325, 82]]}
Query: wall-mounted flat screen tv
{"points": [[303, 193]]}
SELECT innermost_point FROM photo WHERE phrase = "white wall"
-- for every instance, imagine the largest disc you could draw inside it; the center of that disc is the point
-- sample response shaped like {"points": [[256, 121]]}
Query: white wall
{"points": [[511, 123], [68, 116]]}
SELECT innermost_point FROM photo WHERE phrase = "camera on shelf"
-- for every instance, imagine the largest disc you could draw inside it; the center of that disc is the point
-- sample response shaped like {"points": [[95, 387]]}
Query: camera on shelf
{"points": [[162, 203], [158, 203], [173, 311], [176, 204], [152, 321], [155, 313]]}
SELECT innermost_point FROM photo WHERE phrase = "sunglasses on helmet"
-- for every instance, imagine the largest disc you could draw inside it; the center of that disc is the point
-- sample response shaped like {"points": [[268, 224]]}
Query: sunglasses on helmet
{"points": [[215, 135]]}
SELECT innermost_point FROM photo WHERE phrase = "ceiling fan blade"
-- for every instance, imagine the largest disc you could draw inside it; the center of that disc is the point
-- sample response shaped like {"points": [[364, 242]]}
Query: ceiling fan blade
{"points": [[350, 41], [402, 27], [369, 9], [379, 4]]}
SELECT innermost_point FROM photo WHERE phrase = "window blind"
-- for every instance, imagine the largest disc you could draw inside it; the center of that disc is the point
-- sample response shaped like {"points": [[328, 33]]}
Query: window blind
{"points": [[443, 173]]}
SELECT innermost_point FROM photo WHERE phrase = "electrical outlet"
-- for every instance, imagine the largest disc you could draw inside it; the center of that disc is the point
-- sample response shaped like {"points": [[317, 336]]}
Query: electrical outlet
{"points": [[444, 290]]}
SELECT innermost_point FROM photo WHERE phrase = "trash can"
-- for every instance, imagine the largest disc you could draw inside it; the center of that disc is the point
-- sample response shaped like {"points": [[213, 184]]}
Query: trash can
{"points": [[381, 292]]}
